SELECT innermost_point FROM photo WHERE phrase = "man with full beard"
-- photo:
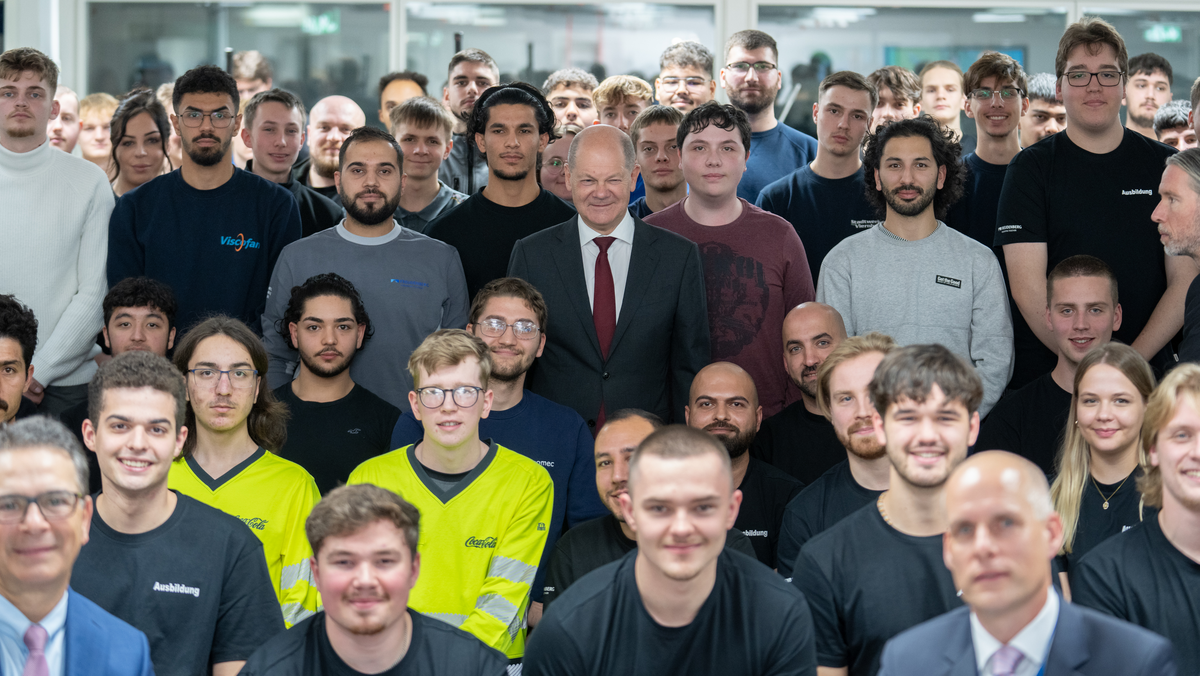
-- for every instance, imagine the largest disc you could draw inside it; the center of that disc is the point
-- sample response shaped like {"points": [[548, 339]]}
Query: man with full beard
{"points": [[210, 231], [842, 386], [751, 78], [799, 439], [335, 424], [410, 284], [509, 316], [724, 403], [912, 277]]}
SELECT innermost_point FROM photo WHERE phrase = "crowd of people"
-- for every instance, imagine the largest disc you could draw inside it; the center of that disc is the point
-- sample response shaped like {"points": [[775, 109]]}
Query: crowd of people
{"points": [[284, 388]]}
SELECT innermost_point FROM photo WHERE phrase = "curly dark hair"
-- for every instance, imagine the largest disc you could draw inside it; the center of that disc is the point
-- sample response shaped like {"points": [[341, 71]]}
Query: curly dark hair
{"points": [[710, 113], [325, 284], [18, 323], [512, 93], [205, 80], [946, 153], [141, 292], [267, 423]]}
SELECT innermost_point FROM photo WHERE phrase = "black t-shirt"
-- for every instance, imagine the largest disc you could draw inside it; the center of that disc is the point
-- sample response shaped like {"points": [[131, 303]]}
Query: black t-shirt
{"points": [[484, 232], [330, 439], [866, 582], [1028, 422], [317, 211], [1140, 577], [73, 418], [824, 502], [1189, 347], [599, 542], [1097, 524], [974, 214], [752, 623], [197, 586], [435, 649], [766, 492], [824, 211], [800, 443], [1078, 202]]}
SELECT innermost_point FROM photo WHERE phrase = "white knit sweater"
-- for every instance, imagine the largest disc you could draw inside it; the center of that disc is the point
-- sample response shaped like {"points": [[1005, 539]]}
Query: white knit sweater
{"points": [[54, 211]]}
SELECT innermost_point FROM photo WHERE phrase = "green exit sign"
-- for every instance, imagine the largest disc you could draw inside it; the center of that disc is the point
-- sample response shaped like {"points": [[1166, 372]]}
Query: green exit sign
{"points": [[325, 23], [1164, 32]]}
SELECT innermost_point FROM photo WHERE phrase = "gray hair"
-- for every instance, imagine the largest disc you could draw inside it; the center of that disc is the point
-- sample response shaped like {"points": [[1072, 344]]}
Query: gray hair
{"points": [[43, 431], [623, 139], [1042, 87], [687, 55], [570, 76], [1171, 115], [1189, 162]]}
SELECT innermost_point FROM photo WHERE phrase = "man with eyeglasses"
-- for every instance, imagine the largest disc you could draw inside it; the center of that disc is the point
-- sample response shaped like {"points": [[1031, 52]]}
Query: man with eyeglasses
{"points": [[490, 508], [1091, 190], [685, 76], [995, 99], [751, 78], [335, 423], [209, 217], [509, 315], [47, 628], [410, 284], [231, 460], [190, 576]]}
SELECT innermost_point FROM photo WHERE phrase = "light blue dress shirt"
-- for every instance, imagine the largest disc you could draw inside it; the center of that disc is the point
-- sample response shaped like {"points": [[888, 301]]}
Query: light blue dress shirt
{"points": [[14, 624]]}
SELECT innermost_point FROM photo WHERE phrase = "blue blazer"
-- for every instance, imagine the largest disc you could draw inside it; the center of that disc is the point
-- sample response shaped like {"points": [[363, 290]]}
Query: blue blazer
{"points": [[1085, 643], [98, 644]]}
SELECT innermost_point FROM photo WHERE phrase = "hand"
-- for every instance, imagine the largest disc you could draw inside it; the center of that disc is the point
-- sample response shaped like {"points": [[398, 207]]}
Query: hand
{"points": [[34, 391], [535, 614]]}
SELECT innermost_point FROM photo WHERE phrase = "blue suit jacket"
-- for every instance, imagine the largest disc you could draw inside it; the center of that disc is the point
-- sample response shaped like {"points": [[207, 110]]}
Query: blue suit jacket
{"points": [[1086, 643], [98, 644]]}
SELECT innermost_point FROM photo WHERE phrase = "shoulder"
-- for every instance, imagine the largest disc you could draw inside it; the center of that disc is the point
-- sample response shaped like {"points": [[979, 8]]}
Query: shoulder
{"points": [[770, 473], [761, 580], [1105, 630], [453, 217], [251, 182], [583, 534], [551, 413], [82, 612], [207, 526], [589, 597], [365, 397], [795, 136], [564, 232], [1143, 145], [552, 203], [659, 237], [914, 646], [286, 648], [385, 465], [83, 173], [825, 546], [1134, 547], [761, 219], [453, 644], [316, 243], [966, 245], [514, 465], [280, 471]]}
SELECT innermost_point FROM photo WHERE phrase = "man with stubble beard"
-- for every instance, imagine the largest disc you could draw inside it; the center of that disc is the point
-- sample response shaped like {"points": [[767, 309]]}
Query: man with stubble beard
{"points": [[724, 403], [208, 217], [330, 123], [411, 285]]}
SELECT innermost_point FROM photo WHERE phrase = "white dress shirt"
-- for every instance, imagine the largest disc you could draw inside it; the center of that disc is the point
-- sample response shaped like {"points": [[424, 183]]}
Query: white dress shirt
{"points": [[1033, 641], [619, 253], [14, 624]]}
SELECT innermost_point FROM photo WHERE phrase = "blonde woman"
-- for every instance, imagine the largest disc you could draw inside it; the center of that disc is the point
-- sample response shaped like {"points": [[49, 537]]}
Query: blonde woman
{"points": [[1102, 456]]}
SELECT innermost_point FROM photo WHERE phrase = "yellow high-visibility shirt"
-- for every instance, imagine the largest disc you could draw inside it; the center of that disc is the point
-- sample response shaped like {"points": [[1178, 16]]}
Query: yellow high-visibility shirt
{"points": [[481, 541], [273, 497]]}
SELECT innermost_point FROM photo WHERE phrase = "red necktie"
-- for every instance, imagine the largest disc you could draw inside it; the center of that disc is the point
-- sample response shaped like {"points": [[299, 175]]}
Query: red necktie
{"points": [[604, 308], [604, 298]]}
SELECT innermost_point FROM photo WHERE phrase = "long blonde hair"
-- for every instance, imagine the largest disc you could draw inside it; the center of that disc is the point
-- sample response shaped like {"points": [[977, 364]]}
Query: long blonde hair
{"points": [[1074, 456]]}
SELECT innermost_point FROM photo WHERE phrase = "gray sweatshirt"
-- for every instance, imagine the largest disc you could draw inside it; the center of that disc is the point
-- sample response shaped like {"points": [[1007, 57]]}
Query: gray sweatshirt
{"points": [[410, 285], [946, 288]]}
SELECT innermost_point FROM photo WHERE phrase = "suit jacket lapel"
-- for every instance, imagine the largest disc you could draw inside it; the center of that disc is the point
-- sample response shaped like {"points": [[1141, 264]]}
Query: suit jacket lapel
{"points": [[569, 259], [960, 650], [642, 263], [82, 651], [1068, 648]]}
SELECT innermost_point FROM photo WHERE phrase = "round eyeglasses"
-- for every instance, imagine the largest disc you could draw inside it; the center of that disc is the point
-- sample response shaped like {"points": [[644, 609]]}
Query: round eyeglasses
{"points": [[463, 396]]}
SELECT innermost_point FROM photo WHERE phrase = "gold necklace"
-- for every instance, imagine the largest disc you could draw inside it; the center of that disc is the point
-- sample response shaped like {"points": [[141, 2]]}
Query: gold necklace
{"points": [[1110, 495], [883, 512]]}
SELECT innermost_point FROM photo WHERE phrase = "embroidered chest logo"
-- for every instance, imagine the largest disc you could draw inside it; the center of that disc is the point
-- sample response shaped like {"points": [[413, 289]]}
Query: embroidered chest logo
{"points": [[949, 281], [356, 430], [240, 242], [484, 543]]}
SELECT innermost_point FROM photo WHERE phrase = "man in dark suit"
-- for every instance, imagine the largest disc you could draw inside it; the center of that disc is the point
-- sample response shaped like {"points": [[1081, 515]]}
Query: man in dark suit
{"points": [[632, 323], [1003, 534], [46, 628]]}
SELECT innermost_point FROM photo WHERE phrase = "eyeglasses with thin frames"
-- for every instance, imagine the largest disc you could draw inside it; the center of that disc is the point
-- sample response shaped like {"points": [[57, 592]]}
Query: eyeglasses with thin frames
{"points": [[463, 396], [194, 118], [54, 505]]}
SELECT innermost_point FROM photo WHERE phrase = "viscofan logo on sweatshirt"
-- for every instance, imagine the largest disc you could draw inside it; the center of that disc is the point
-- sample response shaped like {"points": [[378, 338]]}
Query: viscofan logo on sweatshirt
{"points": [[240, 242]]}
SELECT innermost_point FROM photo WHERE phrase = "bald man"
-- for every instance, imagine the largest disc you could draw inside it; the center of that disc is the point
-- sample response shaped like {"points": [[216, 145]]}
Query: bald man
{"points": [[329, 124], [724, 403], [631, 327], [799, 439], [1003, 534]]}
